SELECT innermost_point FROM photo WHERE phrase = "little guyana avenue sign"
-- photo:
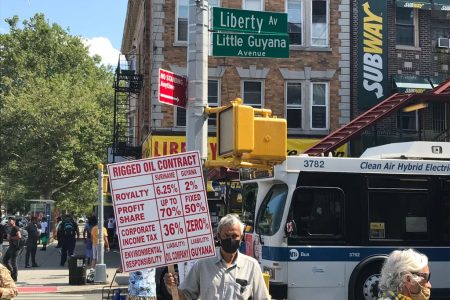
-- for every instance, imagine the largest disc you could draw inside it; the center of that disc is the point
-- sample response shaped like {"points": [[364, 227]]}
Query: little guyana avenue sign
{"points": [[253, 33]]}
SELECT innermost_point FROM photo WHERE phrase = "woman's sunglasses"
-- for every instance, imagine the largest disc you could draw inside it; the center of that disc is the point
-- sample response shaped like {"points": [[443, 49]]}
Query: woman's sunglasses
{"points": [[425, 276]]}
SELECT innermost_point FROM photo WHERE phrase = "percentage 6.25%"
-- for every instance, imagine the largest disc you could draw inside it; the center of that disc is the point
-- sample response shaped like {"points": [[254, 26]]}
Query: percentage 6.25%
{"points": [[166, 189]]}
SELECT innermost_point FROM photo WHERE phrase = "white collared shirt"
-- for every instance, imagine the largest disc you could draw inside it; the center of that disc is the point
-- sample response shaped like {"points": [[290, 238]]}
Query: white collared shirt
{"points": [[210, 279]]}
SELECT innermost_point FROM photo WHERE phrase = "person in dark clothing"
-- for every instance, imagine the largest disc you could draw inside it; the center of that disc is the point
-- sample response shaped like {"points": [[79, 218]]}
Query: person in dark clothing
{"points": [[68, 233], [33, 237], [58, 222], [10, 258]]}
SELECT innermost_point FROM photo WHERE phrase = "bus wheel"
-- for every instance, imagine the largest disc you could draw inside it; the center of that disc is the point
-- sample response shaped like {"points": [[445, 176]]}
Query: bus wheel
{"points": [[367, 283]]}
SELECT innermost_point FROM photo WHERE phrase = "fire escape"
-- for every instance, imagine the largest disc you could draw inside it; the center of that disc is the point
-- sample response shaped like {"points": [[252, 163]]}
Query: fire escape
{"points": [[127, 87]]}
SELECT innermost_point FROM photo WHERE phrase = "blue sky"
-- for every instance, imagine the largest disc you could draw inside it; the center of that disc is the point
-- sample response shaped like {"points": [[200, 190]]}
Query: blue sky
{"points": [[99, 21]]}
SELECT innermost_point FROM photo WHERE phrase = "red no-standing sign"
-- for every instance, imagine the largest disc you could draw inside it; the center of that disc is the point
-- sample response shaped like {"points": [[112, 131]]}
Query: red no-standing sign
{"points": [[172, 88], [161, 209]]}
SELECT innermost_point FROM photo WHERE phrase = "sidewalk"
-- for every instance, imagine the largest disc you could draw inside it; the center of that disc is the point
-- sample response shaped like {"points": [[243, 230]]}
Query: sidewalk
{"points": [[50, 277]]}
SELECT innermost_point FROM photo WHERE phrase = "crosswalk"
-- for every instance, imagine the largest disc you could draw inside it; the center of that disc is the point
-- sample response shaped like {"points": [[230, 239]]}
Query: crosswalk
{"points": [[52, 296]]}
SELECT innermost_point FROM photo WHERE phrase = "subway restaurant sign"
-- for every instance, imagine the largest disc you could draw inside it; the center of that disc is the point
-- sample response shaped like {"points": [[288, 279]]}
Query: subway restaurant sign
{"points": [[159, 145], [372, 46], [247, 33]]}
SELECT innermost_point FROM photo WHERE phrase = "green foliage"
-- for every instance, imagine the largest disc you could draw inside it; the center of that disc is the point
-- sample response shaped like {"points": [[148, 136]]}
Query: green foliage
{"points": [[56, 108]]}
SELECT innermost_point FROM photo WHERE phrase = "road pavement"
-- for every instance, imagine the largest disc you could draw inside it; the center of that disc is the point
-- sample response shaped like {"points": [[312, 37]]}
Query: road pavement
{"points": [[49, 277]]}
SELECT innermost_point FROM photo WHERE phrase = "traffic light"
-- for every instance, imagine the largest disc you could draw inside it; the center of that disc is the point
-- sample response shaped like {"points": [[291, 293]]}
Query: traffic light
{"points": [[235, 129], [250, 134], [270, 135], [106, 191]]}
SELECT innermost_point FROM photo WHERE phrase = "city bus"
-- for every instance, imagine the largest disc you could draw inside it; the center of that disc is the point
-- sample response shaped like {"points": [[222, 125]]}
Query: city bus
{"points": [[323, 226]]}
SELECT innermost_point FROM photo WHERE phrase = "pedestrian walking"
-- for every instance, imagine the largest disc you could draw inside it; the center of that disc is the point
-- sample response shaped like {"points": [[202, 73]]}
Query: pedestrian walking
{"points": [[405, 275], [8, 289], [44, 233], [111, 229], [2, 235], [229, 275], [94, 236], [33, 237], [10, 258], [88, 238], [56, 235], [68, 232]]}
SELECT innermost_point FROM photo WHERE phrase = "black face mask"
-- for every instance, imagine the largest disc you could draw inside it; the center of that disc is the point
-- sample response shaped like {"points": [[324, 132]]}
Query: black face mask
{"points": [[230, 245]]}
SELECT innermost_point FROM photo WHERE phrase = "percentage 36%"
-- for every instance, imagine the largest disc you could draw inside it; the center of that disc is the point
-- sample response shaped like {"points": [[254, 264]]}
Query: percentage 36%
{"points": [[172, 228]]}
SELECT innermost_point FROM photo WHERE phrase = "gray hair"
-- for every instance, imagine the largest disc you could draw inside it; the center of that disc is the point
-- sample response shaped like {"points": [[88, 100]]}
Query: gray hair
{"points": [[229, 220], [397, 265]]}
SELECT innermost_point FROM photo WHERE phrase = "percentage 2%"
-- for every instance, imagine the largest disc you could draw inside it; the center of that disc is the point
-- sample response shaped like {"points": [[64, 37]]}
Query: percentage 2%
{"points": [[190, 185]]}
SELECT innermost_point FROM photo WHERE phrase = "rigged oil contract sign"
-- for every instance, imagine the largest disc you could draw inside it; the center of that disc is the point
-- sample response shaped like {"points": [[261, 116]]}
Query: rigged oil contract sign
{"points": [[161, 211]]}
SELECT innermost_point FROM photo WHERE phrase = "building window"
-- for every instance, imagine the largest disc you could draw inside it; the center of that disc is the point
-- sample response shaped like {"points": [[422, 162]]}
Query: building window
{"points": [[213, 99], [319, 23], [131, 130], [313, 24], [182, 20], [405, 26], [294, 11], [407, 120], [180, 117], [440, 24], [319, 103], [252, 93], [294, 105], [253, 5]]}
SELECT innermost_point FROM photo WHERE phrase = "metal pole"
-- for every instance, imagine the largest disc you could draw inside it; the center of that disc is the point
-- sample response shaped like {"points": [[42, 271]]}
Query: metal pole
{"points": [[100, 267], [197, 70], [197, 67]]}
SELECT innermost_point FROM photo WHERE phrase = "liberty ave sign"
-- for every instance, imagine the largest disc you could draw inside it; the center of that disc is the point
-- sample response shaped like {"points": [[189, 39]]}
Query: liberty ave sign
{"points": [[226, 19]]}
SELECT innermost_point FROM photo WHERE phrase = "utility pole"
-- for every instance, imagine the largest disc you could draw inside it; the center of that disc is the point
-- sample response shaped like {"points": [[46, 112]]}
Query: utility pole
{"points": [[100, 267], [197, 71]]}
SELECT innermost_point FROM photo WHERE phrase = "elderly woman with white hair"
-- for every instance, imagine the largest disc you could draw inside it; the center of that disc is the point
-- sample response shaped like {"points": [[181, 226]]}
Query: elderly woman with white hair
{"points": [[405, 275]]}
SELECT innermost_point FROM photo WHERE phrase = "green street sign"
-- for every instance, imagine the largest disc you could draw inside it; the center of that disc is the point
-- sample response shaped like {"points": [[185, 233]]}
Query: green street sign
{"points": [[250, 21], [250, 45]]}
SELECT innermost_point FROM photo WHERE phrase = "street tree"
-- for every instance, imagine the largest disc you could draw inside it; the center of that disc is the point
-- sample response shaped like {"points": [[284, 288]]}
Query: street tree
{"points": [[56, 112]]}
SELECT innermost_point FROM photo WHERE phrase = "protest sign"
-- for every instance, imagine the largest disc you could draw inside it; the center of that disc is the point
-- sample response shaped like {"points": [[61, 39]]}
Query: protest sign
{"points": [[161, 210]]}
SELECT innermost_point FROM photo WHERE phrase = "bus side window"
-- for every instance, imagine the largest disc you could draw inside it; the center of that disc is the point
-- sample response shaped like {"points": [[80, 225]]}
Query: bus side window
{"points": [[249, 192], [271, 211], [446, 209], [318, 212]]}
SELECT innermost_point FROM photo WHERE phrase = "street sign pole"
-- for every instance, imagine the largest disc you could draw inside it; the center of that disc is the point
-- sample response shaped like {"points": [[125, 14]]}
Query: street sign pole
{"points": [[197, 67], [100, 267]]}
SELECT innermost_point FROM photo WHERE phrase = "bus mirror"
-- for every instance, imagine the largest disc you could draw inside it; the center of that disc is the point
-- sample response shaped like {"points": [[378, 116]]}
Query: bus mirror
{"points": [[290, 228]]}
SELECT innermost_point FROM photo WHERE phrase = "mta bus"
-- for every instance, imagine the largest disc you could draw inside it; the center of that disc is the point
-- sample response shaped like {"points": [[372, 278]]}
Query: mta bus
{"points": [[323, 226]]}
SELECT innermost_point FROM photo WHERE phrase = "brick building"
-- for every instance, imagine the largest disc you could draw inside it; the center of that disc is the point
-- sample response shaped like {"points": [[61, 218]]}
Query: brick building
{"points": [[311, 88]]}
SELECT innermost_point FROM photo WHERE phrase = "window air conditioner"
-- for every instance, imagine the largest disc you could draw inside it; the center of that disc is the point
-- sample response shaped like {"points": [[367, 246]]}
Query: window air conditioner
{"points": [[443, 42]]}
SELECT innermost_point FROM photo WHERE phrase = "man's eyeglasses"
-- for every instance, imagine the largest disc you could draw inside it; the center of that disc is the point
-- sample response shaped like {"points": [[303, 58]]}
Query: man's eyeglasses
{"points": [[425, 276]]}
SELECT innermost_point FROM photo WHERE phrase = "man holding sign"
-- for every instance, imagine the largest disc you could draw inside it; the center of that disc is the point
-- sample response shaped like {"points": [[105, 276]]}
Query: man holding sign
{"points": [[229, 275]]}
